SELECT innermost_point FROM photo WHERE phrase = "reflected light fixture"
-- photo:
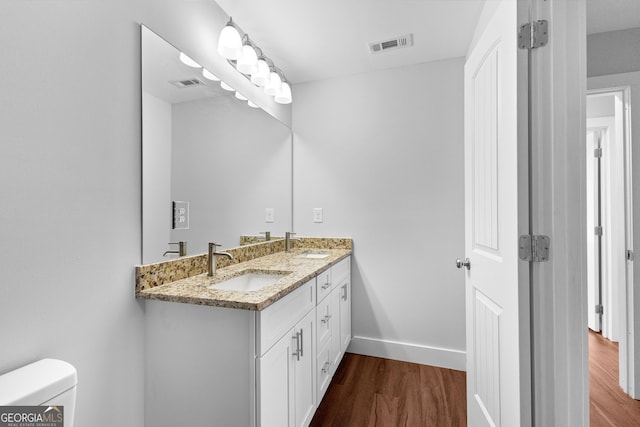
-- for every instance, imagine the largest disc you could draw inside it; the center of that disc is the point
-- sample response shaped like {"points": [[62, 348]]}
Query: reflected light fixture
{"points": [[188, 61], [241, 97], [252, 104], [274, 87], [209, 75], [225, 86], [230, 42]]}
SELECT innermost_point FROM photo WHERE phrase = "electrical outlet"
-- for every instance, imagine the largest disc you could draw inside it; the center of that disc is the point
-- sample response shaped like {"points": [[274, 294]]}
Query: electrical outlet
{"points": [[180, 215], [268, 215], [317, 214]]}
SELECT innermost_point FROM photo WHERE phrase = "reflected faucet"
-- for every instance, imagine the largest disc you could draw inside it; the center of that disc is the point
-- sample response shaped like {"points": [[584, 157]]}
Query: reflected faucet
{"points": [[288, 239], [267, 235], [212, 258], [182, 249]]}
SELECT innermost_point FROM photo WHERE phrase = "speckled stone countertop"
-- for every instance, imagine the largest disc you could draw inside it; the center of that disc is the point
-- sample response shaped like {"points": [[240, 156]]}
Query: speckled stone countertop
{"points": [[195, 289]]}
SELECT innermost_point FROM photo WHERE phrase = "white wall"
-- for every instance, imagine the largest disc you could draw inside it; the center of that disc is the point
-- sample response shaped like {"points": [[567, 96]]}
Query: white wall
{"points": [[382, 154], [613, 52], [70, 217]]}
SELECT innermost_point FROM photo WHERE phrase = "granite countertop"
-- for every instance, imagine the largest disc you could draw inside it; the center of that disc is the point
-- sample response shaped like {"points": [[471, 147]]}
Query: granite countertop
{"points": [[195, 289]]}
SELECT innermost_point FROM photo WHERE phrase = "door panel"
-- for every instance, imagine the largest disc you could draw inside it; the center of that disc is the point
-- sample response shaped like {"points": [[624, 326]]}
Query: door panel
{"points": [[493, 151]]}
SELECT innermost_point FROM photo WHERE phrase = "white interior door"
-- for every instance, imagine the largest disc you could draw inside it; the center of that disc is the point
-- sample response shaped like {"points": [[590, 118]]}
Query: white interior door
{"points": [[594, 250], [498, 369]]}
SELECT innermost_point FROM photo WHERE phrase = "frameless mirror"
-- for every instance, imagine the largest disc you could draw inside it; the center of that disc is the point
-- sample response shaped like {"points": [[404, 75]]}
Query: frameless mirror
{"points": [[229, 163]]}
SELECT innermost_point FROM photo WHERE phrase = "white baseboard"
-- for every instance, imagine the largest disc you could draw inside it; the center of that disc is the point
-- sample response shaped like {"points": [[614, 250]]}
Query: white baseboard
{"points": [[425, 355]]}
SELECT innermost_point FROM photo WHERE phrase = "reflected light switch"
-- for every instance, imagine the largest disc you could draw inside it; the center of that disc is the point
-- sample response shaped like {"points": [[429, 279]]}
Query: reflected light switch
{"points": [[317, 214], [268, 215]]}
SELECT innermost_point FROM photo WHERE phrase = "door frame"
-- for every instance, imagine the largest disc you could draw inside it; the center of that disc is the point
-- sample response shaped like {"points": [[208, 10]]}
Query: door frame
{"points": [[626, 316]]}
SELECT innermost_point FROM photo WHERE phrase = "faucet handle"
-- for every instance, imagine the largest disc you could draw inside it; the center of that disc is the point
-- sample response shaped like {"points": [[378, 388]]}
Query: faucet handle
{"points": [[211, 244]]}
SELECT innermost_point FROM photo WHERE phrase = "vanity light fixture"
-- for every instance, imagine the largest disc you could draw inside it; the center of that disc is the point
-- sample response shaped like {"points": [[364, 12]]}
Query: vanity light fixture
{"points": [[209, 75], [188, 61], [253, 63], [230, 42]]}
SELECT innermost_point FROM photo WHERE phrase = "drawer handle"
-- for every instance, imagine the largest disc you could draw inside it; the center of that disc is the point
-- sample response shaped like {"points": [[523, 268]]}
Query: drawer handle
{"points": [[298, 352], [325, 368], [326, 318]]}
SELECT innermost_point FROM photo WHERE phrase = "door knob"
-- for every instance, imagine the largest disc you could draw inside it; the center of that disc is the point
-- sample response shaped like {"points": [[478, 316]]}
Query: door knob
{"points": [[465, 263]]}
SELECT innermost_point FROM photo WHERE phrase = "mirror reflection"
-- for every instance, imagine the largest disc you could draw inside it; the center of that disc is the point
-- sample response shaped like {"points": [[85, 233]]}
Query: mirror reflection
{"points": [[228, 163]]}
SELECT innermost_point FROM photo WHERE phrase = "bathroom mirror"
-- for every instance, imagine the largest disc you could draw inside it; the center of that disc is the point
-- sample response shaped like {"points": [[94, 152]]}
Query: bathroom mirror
{"points": [[200, 144]]}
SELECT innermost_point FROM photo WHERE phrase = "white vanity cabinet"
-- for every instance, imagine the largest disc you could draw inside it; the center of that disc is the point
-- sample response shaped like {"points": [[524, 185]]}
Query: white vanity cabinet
{"points": [[286, 370], [333, 322]]}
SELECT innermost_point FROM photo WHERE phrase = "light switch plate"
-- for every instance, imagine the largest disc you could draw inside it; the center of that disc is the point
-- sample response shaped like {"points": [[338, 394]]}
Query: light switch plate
{"points": [[180, 215], [268, 215], [317, 214]]}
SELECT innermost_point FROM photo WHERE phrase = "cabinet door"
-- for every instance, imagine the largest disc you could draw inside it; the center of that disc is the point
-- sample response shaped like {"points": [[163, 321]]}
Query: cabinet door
{"points": [[345, 315], [304, 371], [275, 381]]}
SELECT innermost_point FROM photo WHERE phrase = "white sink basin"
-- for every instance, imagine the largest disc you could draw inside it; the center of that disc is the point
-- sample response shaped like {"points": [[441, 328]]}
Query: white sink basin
{"points": [[247, 282], [311, 255]]}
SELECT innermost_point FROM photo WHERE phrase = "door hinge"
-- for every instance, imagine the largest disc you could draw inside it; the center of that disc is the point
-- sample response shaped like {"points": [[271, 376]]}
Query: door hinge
{"points": [[534, 248], [629, 255], [597, 152], [597, 231], [533, 34], [599, 309]]}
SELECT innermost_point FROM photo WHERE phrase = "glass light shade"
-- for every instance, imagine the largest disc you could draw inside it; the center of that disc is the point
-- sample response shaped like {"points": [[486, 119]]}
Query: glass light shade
{"points": [[188, 61], [274, 86], [230, 43], [252, 105], [225, 86], [284, 97], [240, 96], [209, 75], [248, 62], [261, 76]]}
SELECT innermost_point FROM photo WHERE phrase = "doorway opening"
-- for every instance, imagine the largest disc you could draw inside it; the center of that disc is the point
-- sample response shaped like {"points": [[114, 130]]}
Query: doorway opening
{"points": [[609, 223]]}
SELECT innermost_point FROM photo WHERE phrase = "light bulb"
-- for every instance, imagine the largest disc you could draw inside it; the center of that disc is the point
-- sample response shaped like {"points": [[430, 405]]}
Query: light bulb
{"points": [[274, 86], [229, 42], [188, 61], [225, 86], [240, 96], [209, 75], [248, 62], [284, 97], [261, 76]]}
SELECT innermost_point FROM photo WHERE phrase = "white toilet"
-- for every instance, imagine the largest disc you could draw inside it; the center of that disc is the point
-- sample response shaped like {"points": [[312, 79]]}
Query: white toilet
{"points": [[48, 382]]}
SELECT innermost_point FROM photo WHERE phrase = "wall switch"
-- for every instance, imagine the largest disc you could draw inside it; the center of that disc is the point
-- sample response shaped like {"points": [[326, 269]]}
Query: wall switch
{"points": [[268, 215], [317, 214], [180, 215]]}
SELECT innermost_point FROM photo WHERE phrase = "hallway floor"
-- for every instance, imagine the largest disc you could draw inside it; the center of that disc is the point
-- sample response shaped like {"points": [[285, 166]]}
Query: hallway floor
{"points": [[370, 391], [609, 405]]}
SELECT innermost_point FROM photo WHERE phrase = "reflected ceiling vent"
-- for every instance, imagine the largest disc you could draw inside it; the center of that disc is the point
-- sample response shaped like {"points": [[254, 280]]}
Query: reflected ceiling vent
{"points": [[397, 43], [187, 83]]}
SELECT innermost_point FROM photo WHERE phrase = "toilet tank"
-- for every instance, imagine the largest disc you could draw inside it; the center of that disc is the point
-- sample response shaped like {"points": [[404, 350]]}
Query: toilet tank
{"points": [[48, 382]]}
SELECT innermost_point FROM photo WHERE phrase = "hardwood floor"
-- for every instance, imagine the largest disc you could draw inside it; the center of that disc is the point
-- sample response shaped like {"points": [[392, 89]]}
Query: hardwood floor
{"points": [[609, 405], [370, 391]]}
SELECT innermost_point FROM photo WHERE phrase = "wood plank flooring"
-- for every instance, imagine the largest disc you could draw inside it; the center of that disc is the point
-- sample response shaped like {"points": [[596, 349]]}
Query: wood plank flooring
{"points": [[374, 392], [609, 405]]}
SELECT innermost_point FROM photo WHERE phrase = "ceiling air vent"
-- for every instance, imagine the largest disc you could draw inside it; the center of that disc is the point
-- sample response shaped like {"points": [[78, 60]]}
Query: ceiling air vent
{"points": [[397, 43], [187, 83]]}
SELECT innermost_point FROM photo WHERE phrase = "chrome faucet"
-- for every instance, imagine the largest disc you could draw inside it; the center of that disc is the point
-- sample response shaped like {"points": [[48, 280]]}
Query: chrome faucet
{"points": [[212, 258], [288, 239], [182, 249]]}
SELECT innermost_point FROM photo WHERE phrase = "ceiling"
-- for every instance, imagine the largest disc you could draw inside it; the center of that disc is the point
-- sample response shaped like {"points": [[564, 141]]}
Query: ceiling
{"points": [[324, 39]]}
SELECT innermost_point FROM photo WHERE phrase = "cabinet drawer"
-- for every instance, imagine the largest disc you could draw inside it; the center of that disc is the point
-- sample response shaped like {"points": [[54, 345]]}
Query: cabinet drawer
{"points": [[274, 321], [324, 284], [323, 322], [341, 270]]}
